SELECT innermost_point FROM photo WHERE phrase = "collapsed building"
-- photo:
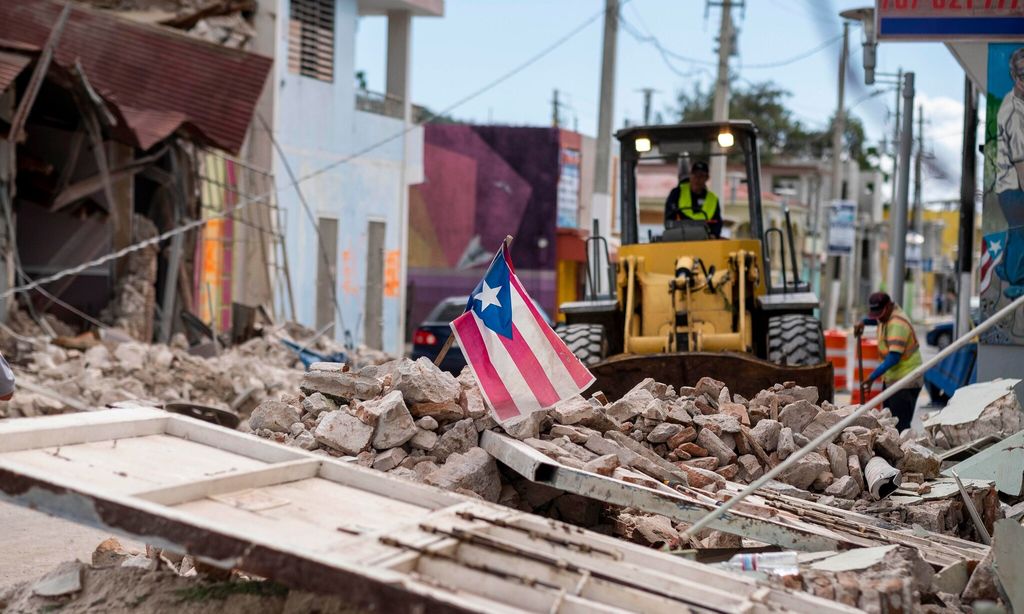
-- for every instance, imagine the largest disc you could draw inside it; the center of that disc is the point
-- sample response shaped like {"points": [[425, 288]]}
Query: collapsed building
{"points": [[117, 132]]}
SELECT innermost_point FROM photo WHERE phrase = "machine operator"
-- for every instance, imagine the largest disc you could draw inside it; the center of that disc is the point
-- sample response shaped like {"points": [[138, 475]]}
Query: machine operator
{"points": [[692, 200]]}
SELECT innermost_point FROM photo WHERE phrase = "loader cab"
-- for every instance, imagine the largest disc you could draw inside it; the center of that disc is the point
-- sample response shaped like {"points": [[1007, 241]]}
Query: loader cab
{"points": [[647, 151]]}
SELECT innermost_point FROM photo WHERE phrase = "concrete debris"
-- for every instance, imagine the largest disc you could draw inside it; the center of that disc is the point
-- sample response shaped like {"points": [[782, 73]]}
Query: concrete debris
{"points": [[475, 471]]}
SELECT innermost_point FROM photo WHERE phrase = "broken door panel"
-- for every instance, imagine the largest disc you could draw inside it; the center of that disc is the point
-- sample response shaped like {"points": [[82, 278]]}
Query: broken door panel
{"points": [[318, 524]]}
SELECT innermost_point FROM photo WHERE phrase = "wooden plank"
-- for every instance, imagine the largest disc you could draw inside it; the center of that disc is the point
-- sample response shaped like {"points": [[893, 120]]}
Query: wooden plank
{"points": [[243, 444], [135, 463], [373, 481], [265, 476], [69, 429]]}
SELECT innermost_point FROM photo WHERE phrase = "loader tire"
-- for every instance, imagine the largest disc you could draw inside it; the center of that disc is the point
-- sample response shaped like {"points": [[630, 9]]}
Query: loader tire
{"points": [[795, 340], [587, 341]]}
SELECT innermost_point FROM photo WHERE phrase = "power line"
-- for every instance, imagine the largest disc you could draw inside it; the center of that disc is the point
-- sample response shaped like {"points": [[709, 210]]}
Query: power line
{"points": [[345, 160], [796, 58]]}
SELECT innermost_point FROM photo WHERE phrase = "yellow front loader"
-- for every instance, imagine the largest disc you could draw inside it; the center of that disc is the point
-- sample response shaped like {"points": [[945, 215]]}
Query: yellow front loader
{"points": [[678, 304]]}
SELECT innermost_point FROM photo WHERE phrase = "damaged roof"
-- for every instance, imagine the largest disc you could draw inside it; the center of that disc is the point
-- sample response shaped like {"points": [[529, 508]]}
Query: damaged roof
{"points": [[160, 80]]}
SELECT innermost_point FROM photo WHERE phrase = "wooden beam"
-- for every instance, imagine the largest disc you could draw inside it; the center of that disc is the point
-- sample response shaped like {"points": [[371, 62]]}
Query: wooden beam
{"points": [[281, 473]]}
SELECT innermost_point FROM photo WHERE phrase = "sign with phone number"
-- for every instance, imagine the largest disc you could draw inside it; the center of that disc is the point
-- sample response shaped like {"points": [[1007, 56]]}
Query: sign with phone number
{"points": [[945, 20]]}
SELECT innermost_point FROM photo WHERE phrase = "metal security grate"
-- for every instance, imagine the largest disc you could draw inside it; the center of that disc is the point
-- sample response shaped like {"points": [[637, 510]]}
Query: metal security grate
{"points": [[311, 39]]}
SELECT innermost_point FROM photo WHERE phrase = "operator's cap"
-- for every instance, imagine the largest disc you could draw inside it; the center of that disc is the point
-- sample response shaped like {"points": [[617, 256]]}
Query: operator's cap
{"points": [[699, 166], [877, 303]]}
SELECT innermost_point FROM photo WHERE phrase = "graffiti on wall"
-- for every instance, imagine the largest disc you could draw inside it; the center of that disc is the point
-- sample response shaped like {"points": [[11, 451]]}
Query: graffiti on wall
{"points": [[1001, 268]]}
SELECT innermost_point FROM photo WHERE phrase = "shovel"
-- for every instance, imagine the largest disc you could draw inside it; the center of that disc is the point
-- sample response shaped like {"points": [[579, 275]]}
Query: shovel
{"points": [[864, 387]]}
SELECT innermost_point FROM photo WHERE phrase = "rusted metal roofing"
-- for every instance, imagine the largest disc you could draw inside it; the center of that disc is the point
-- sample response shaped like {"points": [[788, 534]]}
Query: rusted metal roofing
{"points": [[159, 79], [11, 65]]}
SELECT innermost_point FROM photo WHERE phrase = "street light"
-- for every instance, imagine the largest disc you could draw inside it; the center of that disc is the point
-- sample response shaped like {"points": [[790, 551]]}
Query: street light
{"points": [[869, 42]]}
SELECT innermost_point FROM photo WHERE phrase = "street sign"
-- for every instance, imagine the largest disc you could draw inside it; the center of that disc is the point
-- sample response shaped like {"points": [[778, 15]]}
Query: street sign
{"points": [[949, 20], [841, 230]]}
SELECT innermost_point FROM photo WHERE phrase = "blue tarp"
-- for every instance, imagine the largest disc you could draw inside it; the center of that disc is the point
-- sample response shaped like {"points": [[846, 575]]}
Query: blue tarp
{"points": [[955, 371]]}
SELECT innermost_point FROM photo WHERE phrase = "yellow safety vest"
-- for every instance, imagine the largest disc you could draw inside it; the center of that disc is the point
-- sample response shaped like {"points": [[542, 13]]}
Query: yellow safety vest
{"points": [[706, 212]]}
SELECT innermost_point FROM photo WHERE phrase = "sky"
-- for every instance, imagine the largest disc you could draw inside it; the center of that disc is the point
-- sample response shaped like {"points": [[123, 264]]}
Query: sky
{"points": [[477, 41]]}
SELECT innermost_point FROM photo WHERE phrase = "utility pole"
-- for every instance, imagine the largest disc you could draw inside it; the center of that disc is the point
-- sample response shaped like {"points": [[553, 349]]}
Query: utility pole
{"points": [[896, 131], [601, 200], [898, 256], [914, 281], [648, 93], [968, 184], [555, 108], [720, 108], [838, 128]]}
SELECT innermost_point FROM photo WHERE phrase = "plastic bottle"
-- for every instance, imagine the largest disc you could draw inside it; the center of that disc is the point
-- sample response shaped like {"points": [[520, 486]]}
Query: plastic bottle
{"points": [[776, 563]]}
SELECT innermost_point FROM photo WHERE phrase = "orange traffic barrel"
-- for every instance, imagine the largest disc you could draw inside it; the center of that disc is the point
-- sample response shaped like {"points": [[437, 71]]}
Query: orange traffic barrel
{"points": [[835, 353], [869, 348]]}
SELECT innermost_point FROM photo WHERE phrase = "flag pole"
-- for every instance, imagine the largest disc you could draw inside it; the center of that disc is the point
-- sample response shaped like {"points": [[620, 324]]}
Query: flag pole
{"points": [[451, 337]]}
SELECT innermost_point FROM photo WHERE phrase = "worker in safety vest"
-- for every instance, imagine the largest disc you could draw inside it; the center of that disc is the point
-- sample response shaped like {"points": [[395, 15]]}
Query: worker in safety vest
{"points": [[897, 344], [692, 200]]}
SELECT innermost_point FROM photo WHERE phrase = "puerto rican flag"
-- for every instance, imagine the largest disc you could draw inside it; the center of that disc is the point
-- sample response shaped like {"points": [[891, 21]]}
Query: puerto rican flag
{"points": [[991, 255], [521, 364]]}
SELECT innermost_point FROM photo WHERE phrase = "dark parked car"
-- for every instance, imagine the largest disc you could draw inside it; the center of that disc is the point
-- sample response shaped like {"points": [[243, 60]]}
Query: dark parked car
{"points": [[434, 331], [941, 334]]}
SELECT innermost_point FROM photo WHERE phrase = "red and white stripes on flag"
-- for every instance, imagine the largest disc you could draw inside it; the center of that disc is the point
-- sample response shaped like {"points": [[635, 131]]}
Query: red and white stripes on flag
{"points": [[526, 370]]}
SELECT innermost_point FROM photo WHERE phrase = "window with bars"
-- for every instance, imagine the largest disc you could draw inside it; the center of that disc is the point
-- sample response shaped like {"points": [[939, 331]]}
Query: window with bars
{"points": [[311, 39]]}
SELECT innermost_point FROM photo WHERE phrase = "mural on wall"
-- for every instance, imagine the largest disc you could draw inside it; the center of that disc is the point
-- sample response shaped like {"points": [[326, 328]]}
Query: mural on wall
{"points": [[482, 183], [1001, 269]]}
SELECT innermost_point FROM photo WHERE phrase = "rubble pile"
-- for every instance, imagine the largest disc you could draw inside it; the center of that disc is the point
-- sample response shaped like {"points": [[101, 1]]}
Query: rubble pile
{"points": [[415, 421], [96, 373]]}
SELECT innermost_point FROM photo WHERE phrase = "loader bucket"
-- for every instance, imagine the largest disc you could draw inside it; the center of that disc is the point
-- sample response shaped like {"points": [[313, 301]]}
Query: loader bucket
{"points": [[742, 373]]}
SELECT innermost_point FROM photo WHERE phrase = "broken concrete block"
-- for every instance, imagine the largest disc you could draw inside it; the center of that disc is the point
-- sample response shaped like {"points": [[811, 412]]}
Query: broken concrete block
{"points": [[699, 477], [525, 426], [386, 461], [394, 423], [629, 406], [654, 532], [821, 423], [344, 432], [485, 423], [919, 459], [858, 441], [887, 445], [578, 510], [603, 465], [677, 413], [786, 444], [316, 404], [728, 472], [714, 445], [472, 403], [837, 459], [459, 439], [750, 468], [709, 386], [823, 481], [572, 410], [720, 423], [306, 441], [805, 471], [685, 435], [708, 463], [428, 423], [574, 433], [855, 471], [273, 415], [578, 452], [798, 415], [663, 432], [844, 488], [422, 382], [424, 440], [766, 434], [475, 470], [341, 387], [691, 449], [447, 411]]}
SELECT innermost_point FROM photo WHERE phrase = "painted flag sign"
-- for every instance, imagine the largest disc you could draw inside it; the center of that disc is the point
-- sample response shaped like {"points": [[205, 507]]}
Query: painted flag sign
{"points": [[521, 364], [991, 256]]}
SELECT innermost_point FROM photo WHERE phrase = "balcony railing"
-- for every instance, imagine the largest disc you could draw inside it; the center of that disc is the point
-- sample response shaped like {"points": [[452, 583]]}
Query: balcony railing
{"points": [[380, 104]]}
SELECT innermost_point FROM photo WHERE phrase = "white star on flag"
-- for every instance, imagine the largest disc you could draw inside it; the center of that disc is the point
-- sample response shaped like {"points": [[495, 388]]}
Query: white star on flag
{"points": [[488, 296], [996, 247]]}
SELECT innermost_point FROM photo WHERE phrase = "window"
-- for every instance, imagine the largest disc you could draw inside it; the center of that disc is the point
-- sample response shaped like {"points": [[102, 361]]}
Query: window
{"points": [[311, 39]]}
